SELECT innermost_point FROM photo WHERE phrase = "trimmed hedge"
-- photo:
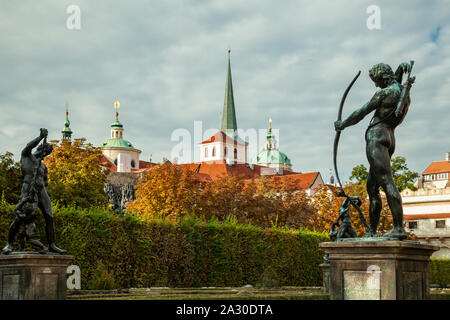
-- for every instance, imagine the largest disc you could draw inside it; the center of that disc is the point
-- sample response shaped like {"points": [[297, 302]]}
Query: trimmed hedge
{"points": [[440, 272], [126, 251]]}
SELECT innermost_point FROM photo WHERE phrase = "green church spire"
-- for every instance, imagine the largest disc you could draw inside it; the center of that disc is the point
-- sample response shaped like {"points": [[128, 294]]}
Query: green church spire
{"points": [[67, 132], [229, 125]]}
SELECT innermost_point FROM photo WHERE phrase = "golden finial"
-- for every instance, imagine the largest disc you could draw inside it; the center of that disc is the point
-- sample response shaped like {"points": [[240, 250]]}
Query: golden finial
{"points": [[117, 106], [229, 48], [270, 123], [67, 109]]}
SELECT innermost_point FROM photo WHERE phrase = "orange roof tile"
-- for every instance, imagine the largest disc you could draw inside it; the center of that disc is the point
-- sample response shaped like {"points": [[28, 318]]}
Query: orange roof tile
{"points": [[300, 180], [217, 169], [438, 167], [426, 216], [221, 136]]}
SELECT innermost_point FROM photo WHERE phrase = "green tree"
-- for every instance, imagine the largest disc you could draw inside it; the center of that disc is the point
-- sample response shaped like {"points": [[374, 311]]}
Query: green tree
{"points": [[359, 173], [75, 175], [403, 177], [9, 178]]}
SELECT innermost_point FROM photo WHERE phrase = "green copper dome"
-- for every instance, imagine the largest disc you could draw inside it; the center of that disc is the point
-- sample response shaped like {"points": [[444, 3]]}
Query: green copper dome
{"points": [[116, 124], [66, 127], [271, 156], [117, 143], [67, 132]]}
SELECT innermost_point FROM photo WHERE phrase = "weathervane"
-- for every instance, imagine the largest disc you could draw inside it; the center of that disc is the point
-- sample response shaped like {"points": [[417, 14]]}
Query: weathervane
{"points": [[116, 107]]}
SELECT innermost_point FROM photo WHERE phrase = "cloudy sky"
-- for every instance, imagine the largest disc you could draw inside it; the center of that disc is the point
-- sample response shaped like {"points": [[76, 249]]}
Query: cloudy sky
{"points": [[166, 63]]}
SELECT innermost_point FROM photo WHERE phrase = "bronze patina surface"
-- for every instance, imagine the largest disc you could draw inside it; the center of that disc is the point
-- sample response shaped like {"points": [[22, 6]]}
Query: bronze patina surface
{"points": [[33, 195], [390, 105]]}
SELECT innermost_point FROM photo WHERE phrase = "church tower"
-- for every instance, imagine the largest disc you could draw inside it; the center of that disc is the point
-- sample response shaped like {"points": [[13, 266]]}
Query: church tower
{"points": [[119, 151], [270, 156], [67, 132], [229, 123], [225, 145]]}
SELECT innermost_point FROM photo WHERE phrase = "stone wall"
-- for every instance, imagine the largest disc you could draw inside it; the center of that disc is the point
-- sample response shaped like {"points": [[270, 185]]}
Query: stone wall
{"points": [[120, 189]]}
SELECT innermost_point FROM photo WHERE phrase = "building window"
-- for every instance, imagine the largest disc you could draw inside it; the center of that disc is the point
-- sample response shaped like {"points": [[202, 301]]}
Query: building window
{"points": [[133, 164], [214, 151], [235, 153], [440, 224], [225, 151], [412, 225], [206, 152]]}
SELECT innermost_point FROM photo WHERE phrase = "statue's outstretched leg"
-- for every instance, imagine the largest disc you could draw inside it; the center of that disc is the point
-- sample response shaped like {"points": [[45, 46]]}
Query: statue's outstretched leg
{"points": [[13, 229], [380, 160], [50, 230], [46, 208], [375, 205]]}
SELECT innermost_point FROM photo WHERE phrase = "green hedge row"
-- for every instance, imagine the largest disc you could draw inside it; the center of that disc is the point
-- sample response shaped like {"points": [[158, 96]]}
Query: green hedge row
{"points": [[440, 272], [126, 251]]}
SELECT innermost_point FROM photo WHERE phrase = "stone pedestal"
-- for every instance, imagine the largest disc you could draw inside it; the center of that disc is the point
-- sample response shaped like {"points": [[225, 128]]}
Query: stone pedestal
{"points": [[33, 276], [326, 277], [379, 270]]}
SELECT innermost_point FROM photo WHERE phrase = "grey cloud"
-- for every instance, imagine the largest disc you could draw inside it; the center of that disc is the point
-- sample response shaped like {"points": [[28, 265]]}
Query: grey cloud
{"points": [[166, 62]]}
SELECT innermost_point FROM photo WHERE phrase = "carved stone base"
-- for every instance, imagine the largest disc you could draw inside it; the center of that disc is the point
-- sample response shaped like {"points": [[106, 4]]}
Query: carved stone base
{"points": [[33, 276], [326, 277], [379, 270]]}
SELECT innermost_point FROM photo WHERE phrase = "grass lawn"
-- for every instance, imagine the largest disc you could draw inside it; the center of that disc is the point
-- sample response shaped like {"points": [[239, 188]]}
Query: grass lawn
{"points": [[226, 293]]}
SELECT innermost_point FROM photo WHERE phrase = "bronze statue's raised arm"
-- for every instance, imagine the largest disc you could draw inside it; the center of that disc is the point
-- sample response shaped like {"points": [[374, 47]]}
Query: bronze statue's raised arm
{"points": [[359, 114], [404, 67], [30, 146], [33, 143]]}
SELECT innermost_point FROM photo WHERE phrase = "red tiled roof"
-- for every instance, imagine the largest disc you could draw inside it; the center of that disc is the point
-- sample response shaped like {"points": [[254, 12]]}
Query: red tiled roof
{"points": [[145, 164], [437, 167], [221, 136], [300, 180], [212, 170], [217, 169], [203, 176], [332, 188], [426, 216]]}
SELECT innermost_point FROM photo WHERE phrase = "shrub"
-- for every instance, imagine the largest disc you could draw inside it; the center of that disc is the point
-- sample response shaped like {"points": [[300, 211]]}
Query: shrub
{"points": [[128, 251], [102, 279], [440, 272]]}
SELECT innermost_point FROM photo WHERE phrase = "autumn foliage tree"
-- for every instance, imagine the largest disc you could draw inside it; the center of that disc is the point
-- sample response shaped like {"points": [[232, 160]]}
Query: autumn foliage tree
{"points": [[165, 191], [75, 174], [171, 191], [327, 205]]}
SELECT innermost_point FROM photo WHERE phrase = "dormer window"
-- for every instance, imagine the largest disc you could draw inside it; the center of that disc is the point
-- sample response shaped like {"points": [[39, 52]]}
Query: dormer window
{"points": [[214, 151], [206, 152]]}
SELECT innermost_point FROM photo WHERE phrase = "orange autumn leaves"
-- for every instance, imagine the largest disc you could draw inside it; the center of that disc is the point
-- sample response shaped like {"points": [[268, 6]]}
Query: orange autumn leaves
{"points": [[171, 191], [327, 206]]}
